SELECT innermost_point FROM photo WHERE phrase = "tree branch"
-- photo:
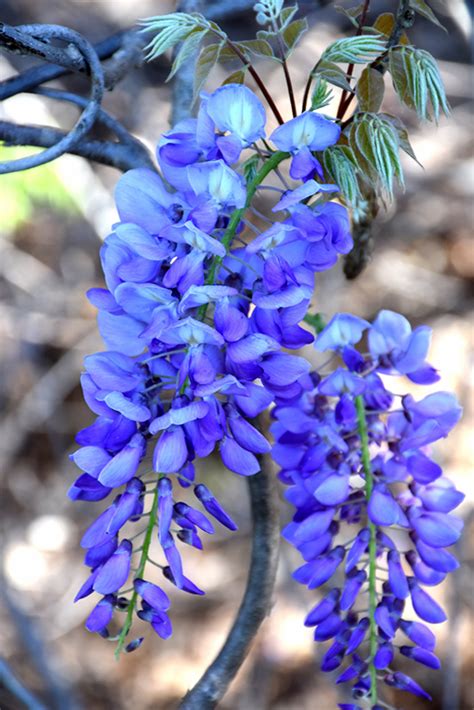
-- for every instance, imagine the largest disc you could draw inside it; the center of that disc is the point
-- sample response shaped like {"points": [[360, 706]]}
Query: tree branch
{"points": [[9, 680], [57, 688], [124, 155], [68, 141], [116, 155], [257, 598], [31, 78]]}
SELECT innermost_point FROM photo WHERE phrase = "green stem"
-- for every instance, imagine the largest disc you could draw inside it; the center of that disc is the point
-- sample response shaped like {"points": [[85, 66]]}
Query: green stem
{"points": [[237, 215], [139, 574], [369, 483]]}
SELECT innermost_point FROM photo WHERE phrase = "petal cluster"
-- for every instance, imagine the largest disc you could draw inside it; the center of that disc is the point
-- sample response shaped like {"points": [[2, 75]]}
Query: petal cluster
{"points": [[354, 455], [196, 326]]}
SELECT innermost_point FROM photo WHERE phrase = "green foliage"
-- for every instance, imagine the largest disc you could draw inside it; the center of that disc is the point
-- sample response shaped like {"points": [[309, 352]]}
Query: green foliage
{"points": [[22, 192], [352, 13], [370, 90], [376, 145], [417, 81], [332, 74], [316, 321], [422, 8], [402, 132], [258, 47], [341, 165], [208, 58], [250, 167], [237, 77], [292, 33], [171, 29], [322, 94], [355, 50]]}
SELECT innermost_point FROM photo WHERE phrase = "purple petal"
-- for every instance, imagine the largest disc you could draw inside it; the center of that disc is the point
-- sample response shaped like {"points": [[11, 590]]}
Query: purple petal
{"points": [[238, 459], [171, 452], [115, 571]]}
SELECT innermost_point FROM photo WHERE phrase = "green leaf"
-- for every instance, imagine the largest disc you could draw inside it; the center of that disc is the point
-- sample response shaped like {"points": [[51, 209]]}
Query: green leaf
{"points": [[422, 8], [188, 48], [341, 165], [208, 58], [376, 141], [332, 74], [352, 13], [287, 15], [259, 47], [370, 90], [417, 81], [385, 23], [267, 35], [171, 29], [316, 321], [399, 78], [250, 168], [402, 132], [322, 94], [292, 33], [237, 77], [355, 50]]}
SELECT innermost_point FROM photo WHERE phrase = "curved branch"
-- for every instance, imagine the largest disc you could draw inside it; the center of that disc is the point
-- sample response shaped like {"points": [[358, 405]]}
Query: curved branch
{"points": [[257, 598], [103, 117], [116, 155], [88, 116], [9, 680], [31, 78]]}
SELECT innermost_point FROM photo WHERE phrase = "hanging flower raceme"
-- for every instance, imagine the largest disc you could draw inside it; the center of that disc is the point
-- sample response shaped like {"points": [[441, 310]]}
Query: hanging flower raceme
{"points": [[373, 511], [194, 325]]}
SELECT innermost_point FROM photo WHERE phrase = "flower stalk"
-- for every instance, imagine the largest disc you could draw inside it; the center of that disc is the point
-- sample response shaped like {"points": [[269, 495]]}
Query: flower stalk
{"points": [[372, 550]]}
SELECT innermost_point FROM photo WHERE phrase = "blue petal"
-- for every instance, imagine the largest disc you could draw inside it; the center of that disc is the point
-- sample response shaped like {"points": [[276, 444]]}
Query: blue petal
{"points": [[141, 198], [101, 615], [247, 436], [152, 594], [426, 607], [131, 410], [171, 452], [235, 108], [238, 459], [124, 465], [115, 571]]}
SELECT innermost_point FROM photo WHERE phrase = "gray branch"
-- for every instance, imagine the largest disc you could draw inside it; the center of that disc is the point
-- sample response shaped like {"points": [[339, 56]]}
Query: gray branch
{"points": [[117, 155], [257, 599], [68, 141], [9, 681]]}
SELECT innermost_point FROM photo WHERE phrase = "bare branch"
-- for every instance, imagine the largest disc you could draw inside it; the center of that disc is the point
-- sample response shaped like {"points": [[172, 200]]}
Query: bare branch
{"points": [[31, 78], [257, 598], [9, 680], [56, 686], [124, 155], [88, 116], [117, 155]]}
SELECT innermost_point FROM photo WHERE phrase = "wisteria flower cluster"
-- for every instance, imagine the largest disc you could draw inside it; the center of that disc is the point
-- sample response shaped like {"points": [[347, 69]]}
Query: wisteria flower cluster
{"points": [[354, 454], [200, 317], [181, 378]]}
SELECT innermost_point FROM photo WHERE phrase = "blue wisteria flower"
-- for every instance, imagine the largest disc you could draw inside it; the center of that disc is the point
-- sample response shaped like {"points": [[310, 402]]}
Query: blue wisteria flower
{"points": [[352, 453], [195, 328], [201, 316]]}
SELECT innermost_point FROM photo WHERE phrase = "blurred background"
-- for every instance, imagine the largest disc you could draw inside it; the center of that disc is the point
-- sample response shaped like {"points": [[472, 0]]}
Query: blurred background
{"points": [[52, 221]]}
